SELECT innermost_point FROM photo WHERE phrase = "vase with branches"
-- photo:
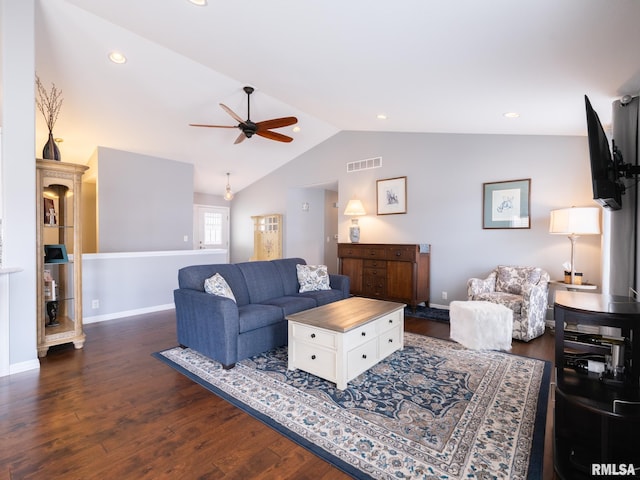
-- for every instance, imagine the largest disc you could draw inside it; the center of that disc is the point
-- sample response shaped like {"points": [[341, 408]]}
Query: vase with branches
{"points": [[49, 104]]}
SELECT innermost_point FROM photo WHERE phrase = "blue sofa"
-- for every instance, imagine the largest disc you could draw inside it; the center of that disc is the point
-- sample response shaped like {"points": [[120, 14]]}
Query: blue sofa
{"points": [[265, 292]]}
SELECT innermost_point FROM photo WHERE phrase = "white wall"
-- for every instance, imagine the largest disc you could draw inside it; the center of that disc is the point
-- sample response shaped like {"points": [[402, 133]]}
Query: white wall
{"points": [[18, 176], [445, 173]]}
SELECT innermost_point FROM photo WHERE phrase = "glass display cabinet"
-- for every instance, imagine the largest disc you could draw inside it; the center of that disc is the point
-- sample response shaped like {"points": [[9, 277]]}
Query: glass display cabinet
{"points": [[59, 251]]}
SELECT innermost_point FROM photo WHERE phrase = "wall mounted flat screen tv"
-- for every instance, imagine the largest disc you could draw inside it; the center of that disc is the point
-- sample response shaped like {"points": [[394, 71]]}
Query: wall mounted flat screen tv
{"points": [[607, 185]]}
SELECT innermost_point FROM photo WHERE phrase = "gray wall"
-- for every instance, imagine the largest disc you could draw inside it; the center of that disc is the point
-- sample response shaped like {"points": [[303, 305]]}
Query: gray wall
{"points": [[144, 203], [445, 173]]}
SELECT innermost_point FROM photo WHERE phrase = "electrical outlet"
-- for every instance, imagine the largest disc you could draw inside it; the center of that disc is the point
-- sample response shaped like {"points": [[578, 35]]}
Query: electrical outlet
{"points": [[95, 303], [444, 295]]}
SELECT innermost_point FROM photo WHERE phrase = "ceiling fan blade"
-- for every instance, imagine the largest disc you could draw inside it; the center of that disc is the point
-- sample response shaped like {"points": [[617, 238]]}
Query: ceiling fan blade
{"points": [[211, 126], [274, 136], [232, 113], [240, 138], [277, 123]]}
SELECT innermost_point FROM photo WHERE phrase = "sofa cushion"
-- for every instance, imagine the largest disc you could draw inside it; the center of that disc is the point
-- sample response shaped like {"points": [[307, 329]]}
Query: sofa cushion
{"points": [[253, 316], [193, 278], [509, 300], [323, 297], [292, 304], [217, 285], [512, 279], [289, 274], [312, 278], [262, 279]]}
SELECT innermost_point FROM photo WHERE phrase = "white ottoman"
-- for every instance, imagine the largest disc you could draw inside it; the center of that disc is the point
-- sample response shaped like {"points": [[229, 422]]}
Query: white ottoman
{"points": [[481, 325]]}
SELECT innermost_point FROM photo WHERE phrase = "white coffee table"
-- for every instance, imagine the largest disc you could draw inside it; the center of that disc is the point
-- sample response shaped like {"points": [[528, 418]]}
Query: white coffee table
{"points": [[341, 340]]}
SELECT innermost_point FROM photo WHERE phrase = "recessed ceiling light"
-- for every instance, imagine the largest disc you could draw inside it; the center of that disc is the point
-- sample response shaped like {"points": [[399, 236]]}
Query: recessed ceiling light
{"points": [[117, 57], [511, 114], [199, 3], [381, 116], [296, 129]]}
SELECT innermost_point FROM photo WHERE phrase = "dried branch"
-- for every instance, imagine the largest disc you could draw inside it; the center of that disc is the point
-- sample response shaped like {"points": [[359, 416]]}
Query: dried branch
{"points": [[49, 103]]}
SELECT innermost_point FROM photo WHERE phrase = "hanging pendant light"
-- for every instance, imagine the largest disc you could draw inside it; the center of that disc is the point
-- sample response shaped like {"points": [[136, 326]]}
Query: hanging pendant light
{"points": [[228, 194]]}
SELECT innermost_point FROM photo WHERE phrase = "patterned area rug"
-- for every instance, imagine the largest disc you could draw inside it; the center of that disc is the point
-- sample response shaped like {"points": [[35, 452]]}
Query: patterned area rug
{"points": [[432, 411]]}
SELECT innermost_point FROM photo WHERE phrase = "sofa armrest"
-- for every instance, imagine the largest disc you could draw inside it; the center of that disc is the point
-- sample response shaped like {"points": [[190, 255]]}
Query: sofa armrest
{"points": [[208, 324], [340, 282], [476, 286]]}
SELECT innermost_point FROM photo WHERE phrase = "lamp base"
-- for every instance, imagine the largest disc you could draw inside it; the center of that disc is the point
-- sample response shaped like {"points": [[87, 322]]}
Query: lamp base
{"points": [[354, 233]]}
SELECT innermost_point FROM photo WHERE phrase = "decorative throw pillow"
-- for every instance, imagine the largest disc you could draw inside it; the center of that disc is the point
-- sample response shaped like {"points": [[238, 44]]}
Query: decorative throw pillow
{"points": [[312, 278], [217, 285]]}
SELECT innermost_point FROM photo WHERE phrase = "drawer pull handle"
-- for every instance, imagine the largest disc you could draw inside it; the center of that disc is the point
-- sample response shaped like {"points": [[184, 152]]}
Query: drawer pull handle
{"points": [[313, 335], [364, 356], [313, 357], [391, 340], [364, 334]]}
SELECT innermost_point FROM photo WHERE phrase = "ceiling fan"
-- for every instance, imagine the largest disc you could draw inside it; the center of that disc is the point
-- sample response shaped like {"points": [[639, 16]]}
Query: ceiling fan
{"points": [[249, 128]]}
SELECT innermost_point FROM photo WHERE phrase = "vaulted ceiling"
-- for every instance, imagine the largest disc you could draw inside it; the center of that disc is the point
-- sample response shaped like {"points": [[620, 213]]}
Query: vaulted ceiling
{"points": [[430, 66]]}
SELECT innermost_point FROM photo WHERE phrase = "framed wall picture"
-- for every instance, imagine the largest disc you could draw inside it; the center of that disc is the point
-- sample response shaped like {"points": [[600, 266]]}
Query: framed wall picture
{"points": [[506, 204], [391, 196]]}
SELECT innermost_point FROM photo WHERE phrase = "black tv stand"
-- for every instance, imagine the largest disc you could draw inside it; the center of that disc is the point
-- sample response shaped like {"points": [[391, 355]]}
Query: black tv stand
{"points": [[596, 421]]}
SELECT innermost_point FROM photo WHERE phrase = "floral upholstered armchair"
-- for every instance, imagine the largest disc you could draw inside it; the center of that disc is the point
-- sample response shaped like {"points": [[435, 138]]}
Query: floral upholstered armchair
{"points": [[522, 289]]}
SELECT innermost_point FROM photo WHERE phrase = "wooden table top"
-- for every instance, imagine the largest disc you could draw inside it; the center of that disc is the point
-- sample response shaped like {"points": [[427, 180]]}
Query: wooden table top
{"points": [[345, 315]]}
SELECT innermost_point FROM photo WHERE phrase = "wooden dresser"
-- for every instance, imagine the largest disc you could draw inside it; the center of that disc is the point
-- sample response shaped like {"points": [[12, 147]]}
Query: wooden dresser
{"points": [[398, 273]]}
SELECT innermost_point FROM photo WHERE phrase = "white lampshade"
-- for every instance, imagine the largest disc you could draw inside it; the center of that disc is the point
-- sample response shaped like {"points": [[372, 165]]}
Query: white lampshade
{"points": [[575, 221], [355, 207]]}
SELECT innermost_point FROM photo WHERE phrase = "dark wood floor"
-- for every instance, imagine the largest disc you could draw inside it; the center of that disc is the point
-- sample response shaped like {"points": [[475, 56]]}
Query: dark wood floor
{"points": [[113, 411]]}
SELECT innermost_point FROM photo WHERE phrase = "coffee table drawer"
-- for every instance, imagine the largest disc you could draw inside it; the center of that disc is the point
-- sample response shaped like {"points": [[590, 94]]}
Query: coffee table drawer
{"points": [[390, 320], [314, 335], [315, 360], [360, 335], [362, 358], [389, 341]]}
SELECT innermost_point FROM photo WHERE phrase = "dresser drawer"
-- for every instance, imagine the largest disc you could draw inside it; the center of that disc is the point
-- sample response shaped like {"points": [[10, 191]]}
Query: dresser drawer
{"points": [[375, 272], [313, 335], [389, 341], [314, 359], [362, 358], [359, 335], [406, 253], [374, 263], [352, 251]]}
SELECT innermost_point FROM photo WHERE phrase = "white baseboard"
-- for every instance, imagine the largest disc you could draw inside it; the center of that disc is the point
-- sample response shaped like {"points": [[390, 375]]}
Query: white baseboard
{"points": [[24, 366], [127, 313]]}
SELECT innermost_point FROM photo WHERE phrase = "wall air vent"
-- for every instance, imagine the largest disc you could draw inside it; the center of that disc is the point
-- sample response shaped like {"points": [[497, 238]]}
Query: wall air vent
{"points": [[367, 164]]}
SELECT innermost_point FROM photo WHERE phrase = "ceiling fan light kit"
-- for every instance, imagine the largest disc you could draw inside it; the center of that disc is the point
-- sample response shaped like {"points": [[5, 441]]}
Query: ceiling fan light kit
{"points": [[249, 128]]}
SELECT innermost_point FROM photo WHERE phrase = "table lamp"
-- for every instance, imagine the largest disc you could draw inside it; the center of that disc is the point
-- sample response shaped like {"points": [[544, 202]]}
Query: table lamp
{"points": [[574, 222], [354, 208]]}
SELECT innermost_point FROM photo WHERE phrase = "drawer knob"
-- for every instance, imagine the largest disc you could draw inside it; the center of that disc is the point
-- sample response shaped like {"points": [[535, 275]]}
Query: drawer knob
{"points": [[364, 334], [391, 340], [313, 335], [364, 355], [398, 253], [313, 357], [391, 320]]}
